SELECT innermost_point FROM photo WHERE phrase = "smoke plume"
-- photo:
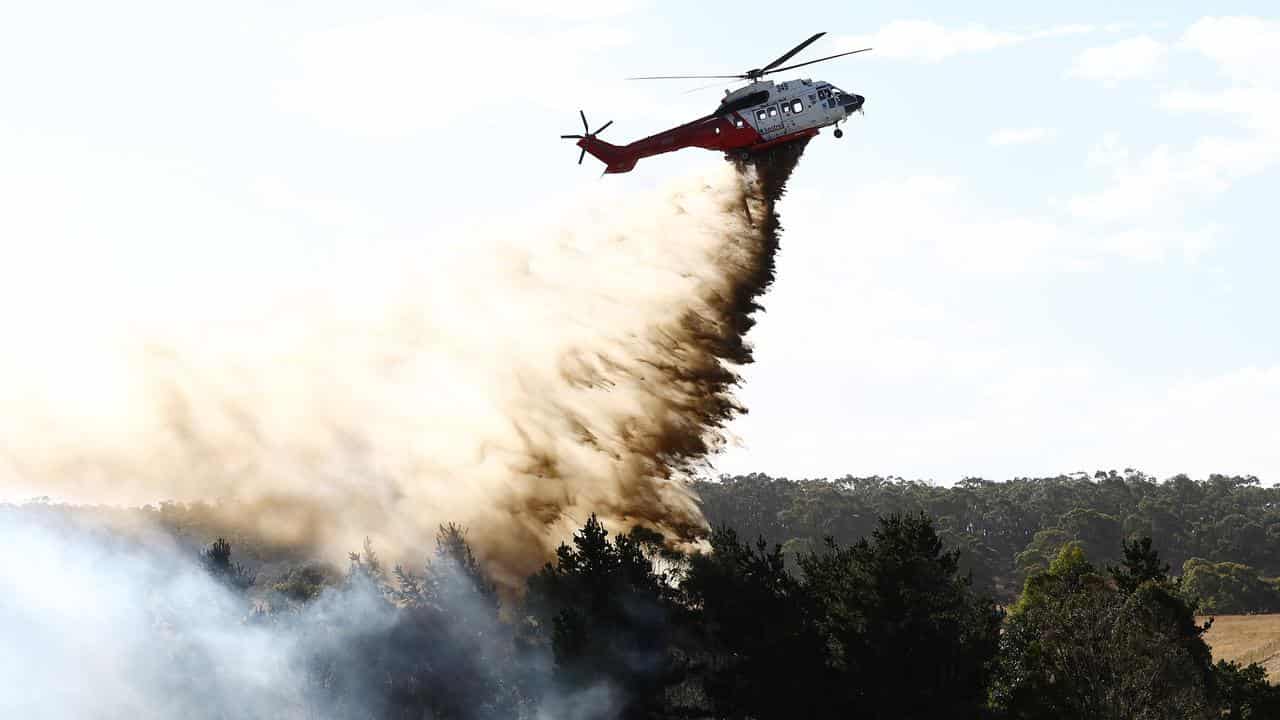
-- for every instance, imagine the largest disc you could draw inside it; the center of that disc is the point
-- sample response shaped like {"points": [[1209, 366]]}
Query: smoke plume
{"points": [[514, 387]]}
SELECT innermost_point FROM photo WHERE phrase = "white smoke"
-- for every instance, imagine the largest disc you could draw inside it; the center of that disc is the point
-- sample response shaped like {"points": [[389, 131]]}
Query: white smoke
{"points": [[99, 626]]}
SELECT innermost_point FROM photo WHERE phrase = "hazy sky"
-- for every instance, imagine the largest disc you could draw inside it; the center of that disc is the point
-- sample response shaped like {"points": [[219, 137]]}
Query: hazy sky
{"points": [[1047, 247]]}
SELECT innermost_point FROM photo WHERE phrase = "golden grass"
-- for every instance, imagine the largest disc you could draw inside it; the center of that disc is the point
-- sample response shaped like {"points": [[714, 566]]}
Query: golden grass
{"points": [[1247, 639]]}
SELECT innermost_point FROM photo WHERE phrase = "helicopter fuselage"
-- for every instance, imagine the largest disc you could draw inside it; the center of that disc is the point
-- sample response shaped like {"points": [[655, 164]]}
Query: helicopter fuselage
{"points": [[752, 118]]}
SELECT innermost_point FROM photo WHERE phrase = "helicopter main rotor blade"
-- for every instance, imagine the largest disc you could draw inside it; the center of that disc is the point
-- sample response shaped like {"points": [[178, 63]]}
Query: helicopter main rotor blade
{"points": [[585, 127], [582, 155], [791, 53], [602, 127], [689, 77], [829, 57], [704, 87]]}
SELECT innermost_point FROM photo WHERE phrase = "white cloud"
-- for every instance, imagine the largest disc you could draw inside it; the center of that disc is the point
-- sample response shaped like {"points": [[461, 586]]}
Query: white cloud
{"points": [[925, 41], [1137, 190], [1021, 136], [1247, 52], [1063, 30], [1130, 59], [1246, 49], [1257, 108], [1160, 184]]}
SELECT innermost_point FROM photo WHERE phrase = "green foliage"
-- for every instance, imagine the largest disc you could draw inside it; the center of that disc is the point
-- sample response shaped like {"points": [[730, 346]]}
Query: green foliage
{"points": [[216, 558], [1229, 588], [452, 611], [1083, 645], [1098, 533], [304, 583], [1244, 693], [905, 633], [752, 613], [454, 575], [604, 610], [1069, 571], [1009, 530], [1042, 550], [1141, 564], [885, 628]]}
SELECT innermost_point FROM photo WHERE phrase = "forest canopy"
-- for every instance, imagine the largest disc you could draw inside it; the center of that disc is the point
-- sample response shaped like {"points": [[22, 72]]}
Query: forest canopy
{"points": [[1008, 530]]}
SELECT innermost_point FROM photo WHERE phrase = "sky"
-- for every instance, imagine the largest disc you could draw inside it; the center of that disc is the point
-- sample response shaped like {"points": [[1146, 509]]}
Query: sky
{"points": [[1047, 247]]}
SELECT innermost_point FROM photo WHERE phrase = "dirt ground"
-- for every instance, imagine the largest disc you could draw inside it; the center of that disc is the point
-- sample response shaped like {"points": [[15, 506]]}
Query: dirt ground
{"points": [[1247, 639]]}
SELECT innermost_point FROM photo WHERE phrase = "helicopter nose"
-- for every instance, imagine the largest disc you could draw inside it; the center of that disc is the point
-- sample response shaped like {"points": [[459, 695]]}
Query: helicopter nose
{"points": [[854, 103]]}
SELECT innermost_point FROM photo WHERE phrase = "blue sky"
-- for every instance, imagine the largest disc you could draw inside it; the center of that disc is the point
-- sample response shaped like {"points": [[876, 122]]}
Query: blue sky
{"points": [[1047, 247]]}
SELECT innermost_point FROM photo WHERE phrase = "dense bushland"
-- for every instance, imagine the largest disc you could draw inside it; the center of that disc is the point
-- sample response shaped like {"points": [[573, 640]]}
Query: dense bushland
{"points": [[1008, 530]]}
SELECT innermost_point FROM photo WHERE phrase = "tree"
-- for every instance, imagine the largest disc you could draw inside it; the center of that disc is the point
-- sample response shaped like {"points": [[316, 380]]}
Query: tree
{"points": [[1012, 529], [216, 558], [1141, 564], [1244, 693], [905, 635], [884, 628], [605, 613], [304, 583], [764, 656], [1077, 645], [1228, 587], [415, 644]]}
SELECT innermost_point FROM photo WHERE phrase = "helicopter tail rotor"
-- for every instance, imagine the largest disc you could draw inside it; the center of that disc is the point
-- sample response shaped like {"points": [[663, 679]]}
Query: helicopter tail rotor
{"points": [[585, 139]]}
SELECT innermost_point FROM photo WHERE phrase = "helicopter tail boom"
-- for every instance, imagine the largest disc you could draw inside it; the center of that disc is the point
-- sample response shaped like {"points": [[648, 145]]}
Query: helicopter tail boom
{"points": [[616, 159]]}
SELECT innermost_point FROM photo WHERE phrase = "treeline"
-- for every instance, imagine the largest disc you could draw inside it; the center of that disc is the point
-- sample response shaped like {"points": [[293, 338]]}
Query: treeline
{"points": [[1223, 532], [886, 627], [864, 598]]}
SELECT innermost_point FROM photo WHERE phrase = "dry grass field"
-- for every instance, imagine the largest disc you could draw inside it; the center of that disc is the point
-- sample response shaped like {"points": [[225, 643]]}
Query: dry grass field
{"points": [[1247, 639]]}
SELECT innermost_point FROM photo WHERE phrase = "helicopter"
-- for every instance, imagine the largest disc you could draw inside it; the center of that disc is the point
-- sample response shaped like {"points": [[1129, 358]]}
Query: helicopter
{"points": [[760, 115]]}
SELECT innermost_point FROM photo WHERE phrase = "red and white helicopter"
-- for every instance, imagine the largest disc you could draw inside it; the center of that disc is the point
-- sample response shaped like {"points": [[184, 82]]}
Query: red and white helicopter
{"points": [[761, 115]]}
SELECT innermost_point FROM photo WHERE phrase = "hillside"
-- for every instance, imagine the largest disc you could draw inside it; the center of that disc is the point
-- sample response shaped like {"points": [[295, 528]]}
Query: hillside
{"points": [[1006, 530]]}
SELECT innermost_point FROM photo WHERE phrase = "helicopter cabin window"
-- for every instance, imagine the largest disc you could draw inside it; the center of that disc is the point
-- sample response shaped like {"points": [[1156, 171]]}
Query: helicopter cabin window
{"points": [[773, 111], [797, 106], [739, 122], [786, 108], [762, 114]]}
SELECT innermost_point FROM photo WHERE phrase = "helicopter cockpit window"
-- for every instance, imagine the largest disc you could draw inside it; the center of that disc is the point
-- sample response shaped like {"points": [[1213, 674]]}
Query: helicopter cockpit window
{"points": [[824, 93], [797, 106]]}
